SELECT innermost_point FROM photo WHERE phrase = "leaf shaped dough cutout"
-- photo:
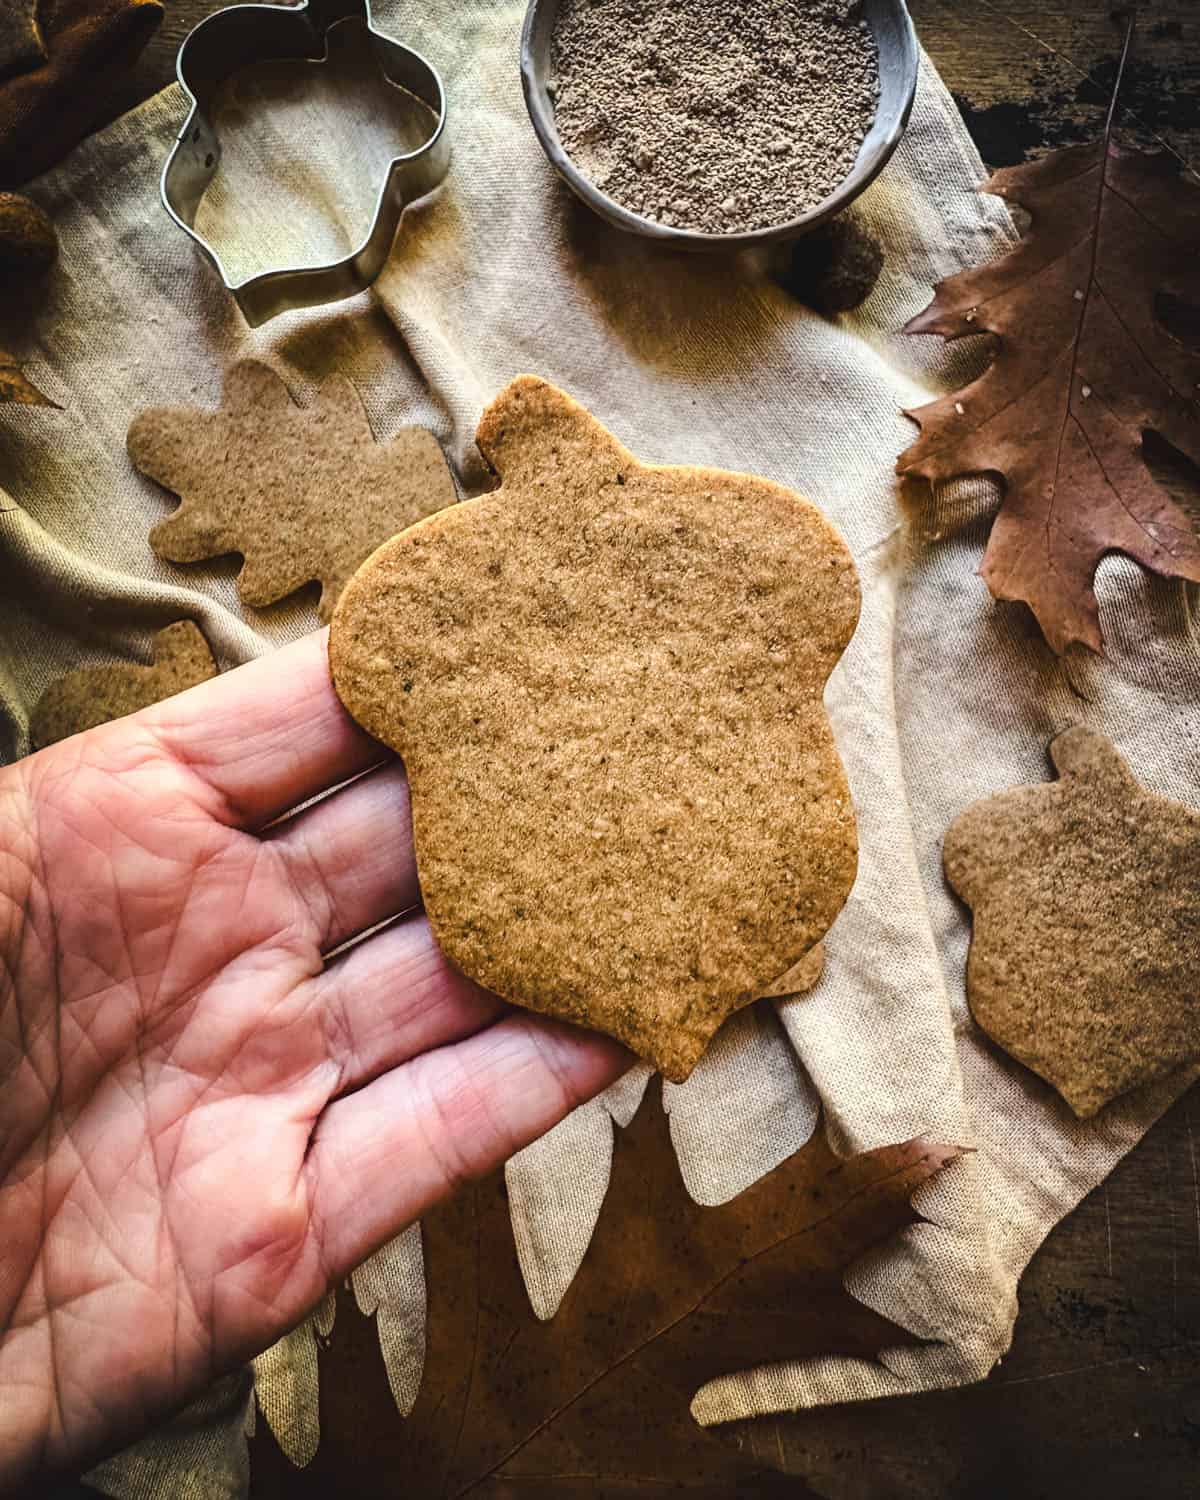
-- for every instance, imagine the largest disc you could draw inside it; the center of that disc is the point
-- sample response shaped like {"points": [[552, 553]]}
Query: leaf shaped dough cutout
{"points": [[94, 695], [303, 494]]}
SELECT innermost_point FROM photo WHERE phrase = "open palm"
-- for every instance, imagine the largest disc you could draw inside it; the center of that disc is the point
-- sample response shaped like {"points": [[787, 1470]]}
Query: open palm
{"points": [[204, 1121]]}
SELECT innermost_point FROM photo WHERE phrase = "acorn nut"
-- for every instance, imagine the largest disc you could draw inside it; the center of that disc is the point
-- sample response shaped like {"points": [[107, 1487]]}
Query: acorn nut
{"points": [[28, 242]]}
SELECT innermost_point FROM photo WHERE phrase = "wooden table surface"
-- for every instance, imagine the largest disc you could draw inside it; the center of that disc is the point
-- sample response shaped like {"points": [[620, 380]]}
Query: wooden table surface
{"points": [[1100, 1394]]}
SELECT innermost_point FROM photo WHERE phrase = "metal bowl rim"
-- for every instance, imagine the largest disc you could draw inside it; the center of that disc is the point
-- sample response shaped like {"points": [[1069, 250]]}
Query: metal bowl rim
{"points": [[856, 181]]}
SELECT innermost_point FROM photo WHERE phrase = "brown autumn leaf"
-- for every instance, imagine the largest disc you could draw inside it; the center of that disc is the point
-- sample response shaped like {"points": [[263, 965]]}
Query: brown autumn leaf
{"points": [[21, 45], [1090, 315], [596, 1400], [16, 386], [49, 107]]}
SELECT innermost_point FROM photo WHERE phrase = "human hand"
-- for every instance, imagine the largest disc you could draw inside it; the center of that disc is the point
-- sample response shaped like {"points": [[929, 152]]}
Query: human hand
{"points": [[204, 1123]]}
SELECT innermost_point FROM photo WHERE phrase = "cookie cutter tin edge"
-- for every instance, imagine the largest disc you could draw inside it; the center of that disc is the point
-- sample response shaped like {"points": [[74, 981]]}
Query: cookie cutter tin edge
{"points": [[241, 35]]}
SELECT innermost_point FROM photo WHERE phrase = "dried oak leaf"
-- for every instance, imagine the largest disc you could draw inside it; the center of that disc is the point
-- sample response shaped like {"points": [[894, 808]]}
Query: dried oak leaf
{"points": [[595, 1401], [88, 46], [1085, 957], [21, 45], [94, 695], [303, 494], [1085, 363], [16, 386]]}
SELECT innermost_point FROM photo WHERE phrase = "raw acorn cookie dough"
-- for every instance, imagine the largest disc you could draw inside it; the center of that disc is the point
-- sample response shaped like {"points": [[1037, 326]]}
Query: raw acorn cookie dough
{"points": [[722, 116], [605, 680], [1085, 957]]}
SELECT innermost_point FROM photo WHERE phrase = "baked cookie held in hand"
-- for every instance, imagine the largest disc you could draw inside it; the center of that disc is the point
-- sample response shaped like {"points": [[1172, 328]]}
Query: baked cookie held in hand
{"points": [[303, 494], [1085, 958], [605, 680]]}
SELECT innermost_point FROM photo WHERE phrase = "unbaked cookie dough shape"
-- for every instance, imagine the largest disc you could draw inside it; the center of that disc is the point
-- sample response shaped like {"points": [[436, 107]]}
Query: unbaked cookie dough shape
{"points": [[95, 695], [1085, 893], [605, 679], [303, 494]]}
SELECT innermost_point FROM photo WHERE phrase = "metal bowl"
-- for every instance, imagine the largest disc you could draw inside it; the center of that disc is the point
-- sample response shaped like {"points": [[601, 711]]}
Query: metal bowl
{"points": [[897, 44]]}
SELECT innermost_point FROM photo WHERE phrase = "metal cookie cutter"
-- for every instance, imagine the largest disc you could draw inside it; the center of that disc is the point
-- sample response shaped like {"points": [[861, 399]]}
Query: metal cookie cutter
{"points": [[245, 34]]}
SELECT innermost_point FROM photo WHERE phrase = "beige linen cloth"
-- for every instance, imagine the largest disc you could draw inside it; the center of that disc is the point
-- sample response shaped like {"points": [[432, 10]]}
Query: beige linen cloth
{"points": [[942, 698]]}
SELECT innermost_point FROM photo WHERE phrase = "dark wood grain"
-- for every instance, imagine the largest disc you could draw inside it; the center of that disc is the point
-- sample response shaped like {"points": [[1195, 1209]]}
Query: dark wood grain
{"points": [[1100, 1395], [669, 1295], [1030, 75]]}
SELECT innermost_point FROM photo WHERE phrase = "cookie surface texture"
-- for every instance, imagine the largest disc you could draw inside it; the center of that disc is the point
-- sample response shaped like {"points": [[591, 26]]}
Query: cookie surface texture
{"points": [[1085, 957], [605, 680], [94, 695], [803, 976], [303, 494]]}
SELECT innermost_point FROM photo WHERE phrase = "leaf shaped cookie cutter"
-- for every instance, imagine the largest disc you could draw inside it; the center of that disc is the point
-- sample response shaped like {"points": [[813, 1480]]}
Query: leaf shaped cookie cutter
{"points": [[242, 35]]}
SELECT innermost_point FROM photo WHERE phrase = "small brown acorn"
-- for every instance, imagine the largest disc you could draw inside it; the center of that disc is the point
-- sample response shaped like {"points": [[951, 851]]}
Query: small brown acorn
{"points": [[28, 242], [834, 269]]}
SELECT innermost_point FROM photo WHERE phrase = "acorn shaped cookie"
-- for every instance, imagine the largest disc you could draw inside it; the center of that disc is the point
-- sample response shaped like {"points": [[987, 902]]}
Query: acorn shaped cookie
{"points": [[605, 679], [1085, 893]]}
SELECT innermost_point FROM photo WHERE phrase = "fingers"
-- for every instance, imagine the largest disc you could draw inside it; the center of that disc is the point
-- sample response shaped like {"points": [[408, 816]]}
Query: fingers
{"points": [[351, 856], [379, 1158], [394, 997], [266, 736]]}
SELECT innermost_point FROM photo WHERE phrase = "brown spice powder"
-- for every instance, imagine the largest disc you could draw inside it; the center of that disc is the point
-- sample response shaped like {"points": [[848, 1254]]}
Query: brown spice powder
{"points": [[714, 115]]}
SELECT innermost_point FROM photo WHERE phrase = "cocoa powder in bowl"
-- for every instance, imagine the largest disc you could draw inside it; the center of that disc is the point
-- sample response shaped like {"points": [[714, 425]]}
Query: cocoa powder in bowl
{"points": [[722, 116]]}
